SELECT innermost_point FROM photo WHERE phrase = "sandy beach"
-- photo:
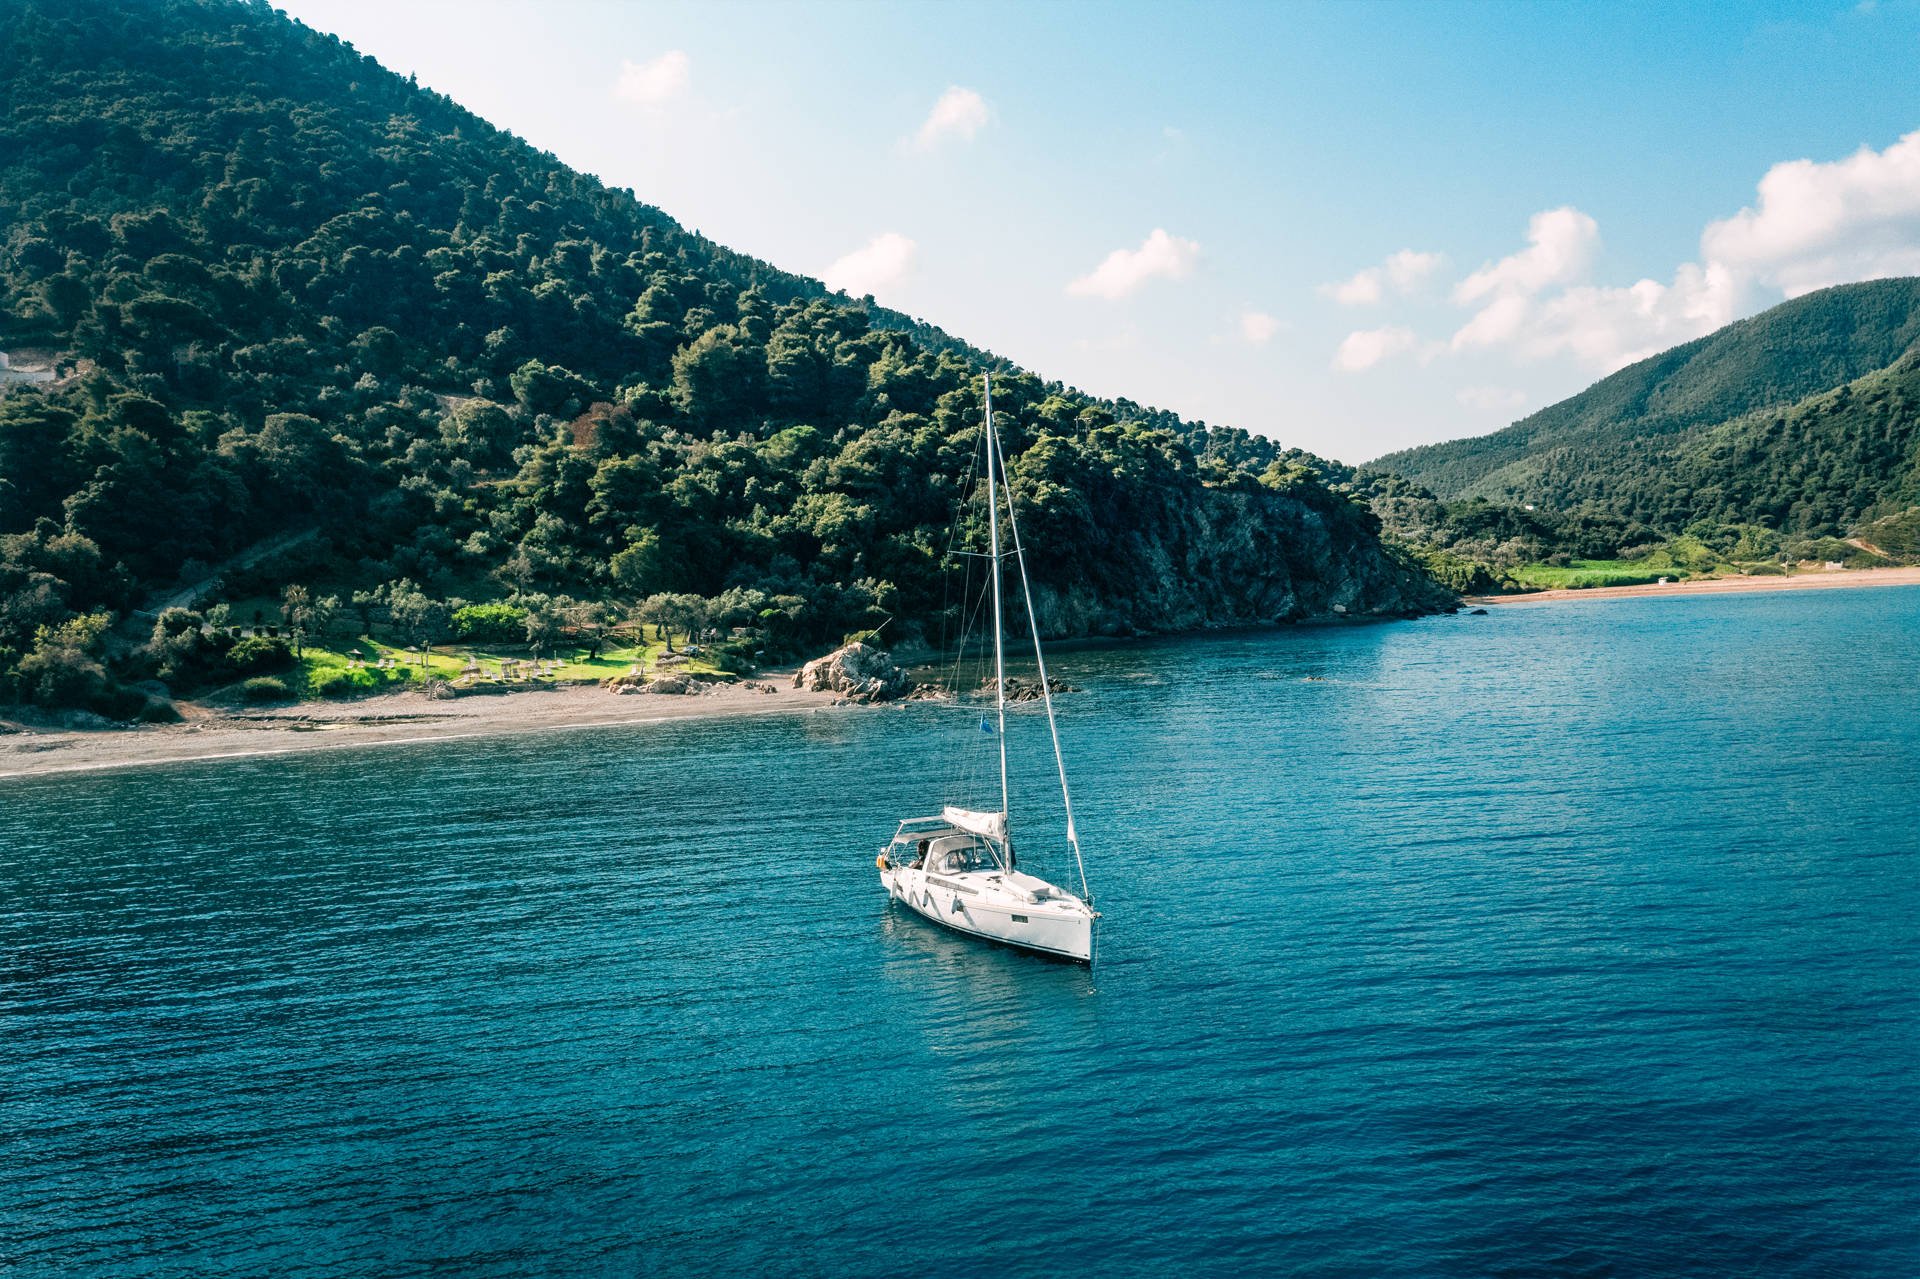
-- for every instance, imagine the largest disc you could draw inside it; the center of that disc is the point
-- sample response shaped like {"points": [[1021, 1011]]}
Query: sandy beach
{"points": [[394, 719], [1719, 586]]}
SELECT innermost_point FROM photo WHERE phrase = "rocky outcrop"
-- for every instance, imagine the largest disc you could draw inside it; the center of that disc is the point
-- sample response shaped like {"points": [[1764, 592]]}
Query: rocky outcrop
{"points": [[1021, 689], [1224, 557], [859, 672]]}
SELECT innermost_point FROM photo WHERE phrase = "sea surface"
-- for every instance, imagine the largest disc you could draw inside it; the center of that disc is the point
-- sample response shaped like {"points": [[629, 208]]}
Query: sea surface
{"points": [[1569, 940]]}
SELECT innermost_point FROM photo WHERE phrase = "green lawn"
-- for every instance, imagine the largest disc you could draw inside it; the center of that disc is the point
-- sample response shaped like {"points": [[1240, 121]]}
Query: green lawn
{"points": [[1581, 574], [354, 668]]}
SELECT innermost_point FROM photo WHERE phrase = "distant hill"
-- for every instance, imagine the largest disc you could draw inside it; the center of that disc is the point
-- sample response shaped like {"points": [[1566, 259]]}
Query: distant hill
{"points": [[260, 287], [1802, 419]]}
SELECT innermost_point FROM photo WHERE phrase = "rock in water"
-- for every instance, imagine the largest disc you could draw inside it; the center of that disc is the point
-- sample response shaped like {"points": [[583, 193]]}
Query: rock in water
{"points": [[860, 672], [1020, 689]]}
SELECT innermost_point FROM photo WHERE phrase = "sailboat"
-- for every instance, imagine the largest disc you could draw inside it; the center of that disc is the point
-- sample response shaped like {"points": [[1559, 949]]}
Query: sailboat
{"points": [[959, 868]]}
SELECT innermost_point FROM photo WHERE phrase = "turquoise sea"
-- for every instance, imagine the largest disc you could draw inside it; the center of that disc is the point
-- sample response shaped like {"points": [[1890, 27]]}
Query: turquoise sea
{"points": [[1568, 940]]}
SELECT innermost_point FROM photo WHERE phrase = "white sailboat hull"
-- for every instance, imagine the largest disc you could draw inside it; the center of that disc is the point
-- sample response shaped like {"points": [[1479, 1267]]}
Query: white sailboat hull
{"points": [[998, 907]]}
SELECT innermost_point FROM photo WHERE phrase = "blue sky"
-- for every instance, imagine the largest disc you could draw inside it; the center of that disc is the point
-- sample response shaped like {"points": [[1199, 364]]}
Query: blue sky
{"points": [[1353, 227]]}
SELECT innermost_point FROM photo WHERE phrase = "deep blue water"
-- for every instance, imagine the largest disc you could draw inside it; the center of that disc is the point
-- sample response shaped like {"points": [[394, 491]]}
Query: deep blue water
{"points": [[1572, 940]]}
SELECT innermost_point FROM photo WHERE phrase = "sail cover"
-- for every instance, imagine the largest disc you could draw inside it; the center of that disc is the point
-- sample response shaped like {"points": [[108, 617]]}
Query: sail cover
{"points": [[992, 825]]}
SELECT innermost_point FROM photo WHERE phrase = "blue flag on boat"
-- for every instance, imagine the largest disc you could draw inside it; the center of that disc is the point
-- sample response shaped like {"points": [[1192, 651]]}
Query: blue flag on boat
{"points": [[986, 726]]}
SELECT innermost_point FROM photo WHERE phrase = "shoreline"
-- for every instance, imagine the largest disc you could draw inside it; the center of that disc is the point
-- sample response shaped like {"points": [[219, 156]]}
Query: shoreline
{"points": [[390, 719], [412, 718], [1853, 577]]}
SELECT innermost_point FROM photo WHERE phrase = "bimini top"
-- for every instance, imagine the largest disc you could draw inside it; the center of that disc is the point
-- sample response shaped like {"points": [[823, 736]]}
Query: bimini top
{"points": [[992, 825]]}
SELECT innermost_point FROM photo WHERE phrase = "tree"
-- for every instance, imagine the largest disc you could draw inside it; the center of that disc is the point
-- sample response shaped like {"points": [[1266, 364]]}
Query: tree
{"points": [[640, 570], [364, 605], [420, 619], [296, 610], [323, 612], [178, 648], [670, 613], [62, 669], [480, 432], [657, 611], [541, 388], [542, 622], [720, 377], [737, 606], [588, 620]]}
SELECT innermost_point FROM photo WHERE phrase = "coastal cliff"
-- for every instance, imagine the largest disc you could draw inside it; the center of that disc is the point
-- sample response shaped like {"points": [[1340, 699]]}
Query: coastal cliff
{"points": [[1231, 558]]}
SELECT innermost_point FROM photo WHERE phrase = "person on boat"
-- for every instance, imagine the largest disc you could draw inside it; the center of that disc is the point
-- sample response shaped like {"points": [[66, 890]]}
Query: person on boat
{"points": [[919, 856]]}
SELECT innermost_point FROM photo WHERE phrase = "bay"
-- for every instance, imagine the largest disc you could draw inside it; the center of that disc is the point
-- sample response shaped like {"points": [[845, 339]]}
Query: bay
{"points": [[1578, 940]]}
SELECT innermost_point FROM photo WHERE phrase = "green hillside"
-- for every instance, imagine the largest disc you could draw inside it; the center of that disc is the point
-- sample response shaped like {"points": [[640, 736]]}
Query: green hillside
{"points": [[1615, 443], [281, 297], [1819, 466]]}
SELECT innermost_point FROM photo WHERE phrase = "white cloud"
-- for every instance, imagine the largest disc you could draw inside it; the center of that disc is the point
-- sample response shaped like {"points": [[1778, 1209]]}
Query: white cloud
{"points": [[1256, 327], [655, 83], [1367, 347], [1605, 328], [1499, 322], [1560, 248], [1160, 256], [1535, 304], [1491, 399], [1823, 224], [1402, 272], [960, 113], [879, 264], [1813, 224]]}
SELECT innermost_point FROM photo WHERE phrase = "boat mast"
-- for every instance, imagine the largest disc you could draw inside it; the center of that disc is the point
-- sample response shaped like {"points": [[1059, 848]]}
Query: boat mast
{"points": [[999, 639], [1046, 692]]}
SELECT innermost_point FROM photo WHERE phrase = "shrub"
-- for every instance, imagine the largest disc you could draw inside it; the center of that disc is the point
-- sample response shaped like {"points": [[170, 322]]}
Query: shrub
{"points": [[64, 677], [258, 655], [336, 684], [491, 623], [158, 710], [1462, 576], [266, 688], [734, 656], [1821, 548]]}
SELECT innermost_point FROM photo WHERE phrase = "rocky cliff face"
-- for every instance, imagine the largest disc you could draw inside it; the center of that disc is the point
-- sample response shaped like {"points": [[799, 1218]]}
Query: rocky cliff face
{"points": [[1234, 557]]}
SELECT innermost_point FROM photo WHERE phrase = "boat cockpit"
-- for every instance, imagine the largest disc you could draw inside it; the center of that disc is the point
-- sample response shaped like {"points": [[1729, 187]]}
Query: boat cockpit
{"points": [[937, 847]]}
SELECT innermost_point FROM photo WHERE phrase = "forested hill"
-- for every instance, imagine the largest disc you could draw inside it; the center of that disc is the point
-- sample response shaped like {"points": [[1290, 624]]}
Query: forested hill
{"points": [[276, 288], [1801, 419]]}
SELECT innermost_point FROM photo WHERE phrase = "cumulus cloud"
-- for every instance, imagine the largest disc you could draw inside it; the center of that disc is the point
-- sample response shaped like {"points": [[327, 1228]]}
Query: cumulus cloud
{"points": [[960, 113], [1402, 272], [1536, 303], [1813, 224], [1256, 327], [1159, 257], [1367, 347], [1560, 247], [1817, 224], [1491, 399], [880, 263], [655, 83]]}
